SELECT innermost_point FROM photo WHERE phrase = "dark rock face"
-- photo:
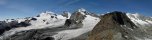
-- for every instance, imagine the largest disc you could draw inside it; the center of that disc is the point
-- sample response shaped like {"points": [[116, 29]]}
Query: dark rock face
{"points": [[33, 19], [77, 16], [65, 14], [75, 20], [48, 38], [24, 24], [38, 16], [14, 24], [68, 22], [52, 16], [115, 26]]}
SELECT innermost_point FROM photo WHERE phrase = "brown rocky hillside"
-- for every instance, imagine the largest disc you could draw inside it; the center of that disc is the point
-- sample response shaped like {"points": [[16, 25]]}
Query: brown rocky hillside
{"points": [[115, 26]]}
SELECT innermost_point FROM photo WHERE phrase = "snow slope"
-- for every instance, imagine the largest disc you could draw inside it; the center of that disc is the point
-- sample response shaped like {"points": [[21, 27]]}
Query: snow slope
{"points": [[140, 21], [143, 22], [88, 23], [82, 10], [44, 21]]}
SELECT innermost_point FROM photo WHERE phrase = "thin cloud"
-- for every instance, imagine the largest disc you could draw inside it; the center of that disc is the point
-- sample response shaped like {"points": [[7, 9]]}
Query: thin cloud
{"points": [[2, 2], [71, 2]]}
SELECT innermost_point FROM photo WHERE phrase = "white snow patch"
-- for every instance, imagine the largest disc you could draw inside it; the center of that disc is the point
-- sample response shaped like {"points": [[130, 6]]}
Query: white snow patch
{"points": [[69, 15], [149, 21], [20, 20], [124, 26]]}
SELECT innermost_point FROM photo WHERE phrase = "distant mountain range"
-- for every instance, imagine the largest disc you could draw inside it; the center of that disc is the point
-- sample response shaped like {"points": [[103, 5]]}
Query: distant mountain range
{"points": [[79, 25]]}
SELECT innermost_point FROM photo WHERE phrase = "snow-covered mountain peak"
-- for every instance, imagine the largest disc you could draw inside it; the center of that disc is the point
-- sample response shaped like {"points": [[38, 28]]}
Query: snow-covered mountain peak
{"points": [[8, 20], [138, 16], [140, 20], [81, 10], [47, 13], [66, 14]]}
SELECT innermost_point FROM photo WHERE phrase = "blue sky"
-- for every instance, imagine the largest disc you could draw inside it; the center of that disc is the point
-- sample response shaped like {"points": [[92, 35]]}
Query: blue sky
{"points": [[26, 8]]}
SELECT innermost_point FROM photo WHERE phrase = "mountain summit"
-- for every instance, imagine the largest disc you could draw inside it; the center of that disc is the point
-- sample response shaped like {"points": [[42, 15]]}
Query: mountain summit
{"points": [[116, 26]]}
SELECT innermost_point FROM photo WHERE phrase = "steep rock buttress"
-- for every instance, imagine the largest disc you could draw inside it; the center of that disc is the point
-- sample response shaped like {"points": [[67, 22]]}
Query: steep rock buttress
{"points": [[116, 26]]}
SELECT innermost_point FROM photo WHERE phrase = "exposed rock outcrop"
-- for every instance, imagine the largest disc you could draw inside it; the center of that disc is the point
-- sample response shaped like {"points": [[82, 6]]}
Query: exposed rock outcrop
{"points": [[76, 19], [66, 14], [13, 24], [116, 26]]}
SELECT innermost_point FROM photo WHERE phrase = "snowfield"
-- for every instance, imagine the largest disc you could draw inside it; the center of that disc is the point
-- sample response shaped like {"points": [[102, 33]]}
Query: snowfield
{"points": [[38, 24], [88, 24], [140, 20]]}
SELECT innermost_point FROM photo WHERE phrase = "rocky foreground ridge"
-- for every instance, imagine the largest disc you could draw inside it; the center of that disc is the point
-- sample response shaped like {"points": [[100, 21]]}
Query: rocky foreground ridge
{"points": [[116, 26]]}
